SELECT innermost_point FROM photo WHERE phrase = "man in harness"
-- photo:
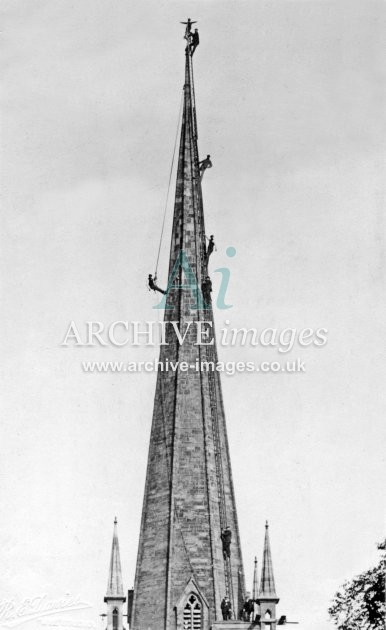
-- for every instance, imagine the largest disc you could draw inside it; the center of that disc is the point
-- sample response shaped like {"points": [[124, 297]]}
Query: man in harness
{"points": [[206, 288], [203, 165], [210, 248], [152, 284], [195, 40]]}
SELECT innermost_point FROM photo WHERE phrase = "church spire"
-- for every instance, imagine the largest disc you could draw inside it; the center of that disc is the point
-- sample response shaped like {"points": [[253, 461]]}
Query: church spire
{"points": [[114, 595], [255, 587], [267, 585], [188, 235], [114, 584], [189, 553], [267, 597]]}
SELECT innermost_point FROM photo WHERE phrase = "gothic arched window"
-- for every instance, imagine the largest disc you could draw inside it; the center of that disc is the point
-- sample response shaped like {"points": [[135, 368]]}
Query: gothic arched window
{"points": [[193, 614], [115, 619], [268, 615]]}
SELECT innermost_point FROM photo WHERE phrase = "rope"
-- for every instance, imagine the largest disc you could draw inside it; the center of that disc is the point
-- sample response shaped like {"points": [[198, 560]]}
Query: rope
{"points": [[167, 194]]}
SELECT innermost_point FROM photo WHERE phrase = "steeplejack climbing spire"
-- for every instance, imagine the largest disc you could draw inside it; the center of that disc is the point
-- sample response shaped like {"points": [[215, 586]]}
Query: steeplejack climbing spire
{"points": [[189, 553]]}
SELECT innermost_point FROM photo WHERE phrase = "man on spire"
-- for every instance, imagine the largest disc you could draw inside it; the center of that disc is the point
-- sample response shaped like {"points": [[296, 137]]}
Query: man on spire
{"points": [[210, 248], [226, 537], [206, 288], [195, 40], [153, 286], [188, 33], [203, 165]]}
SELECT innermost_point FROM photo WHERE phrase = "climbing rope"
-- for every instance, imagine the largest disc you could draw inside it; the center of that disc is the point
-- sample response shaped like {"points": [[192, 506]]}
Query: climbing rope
{"points": [[167, 194]]}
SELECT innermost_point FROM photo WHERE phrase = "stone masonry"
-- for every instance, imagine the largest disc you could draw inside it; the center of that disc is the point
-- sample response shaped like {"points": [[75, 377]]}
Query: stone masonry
{"points": [[189, 492]]}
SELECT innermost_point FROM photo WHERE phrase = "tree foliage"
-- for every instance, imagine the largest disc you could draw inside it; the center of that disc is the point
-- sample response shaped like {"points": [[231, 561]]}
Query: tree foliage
{"points": [[360, 603]]}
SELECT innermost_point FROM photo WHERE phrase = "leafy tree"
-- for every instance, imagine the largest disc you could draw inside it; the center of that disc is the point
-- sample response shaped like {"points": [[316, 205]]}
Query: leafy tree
{"points": [[360, 603]]}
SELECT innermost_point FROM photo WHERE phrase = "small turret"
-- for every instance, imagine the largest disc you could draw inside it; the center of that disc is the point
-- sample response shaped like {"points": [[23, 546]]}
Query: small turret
{"points": [[267, 596], [255, 587], [114, 595]]}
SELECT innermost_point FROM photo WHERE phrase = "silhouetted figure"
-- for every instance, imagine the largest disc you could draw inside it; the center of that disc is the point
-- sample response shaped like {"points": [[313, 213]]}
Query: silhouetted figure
{"points": [[195, 40], [206, 287], [226, 609], [153, 286], [226, 537], [248, 608], [211, 246], [204, 164]]}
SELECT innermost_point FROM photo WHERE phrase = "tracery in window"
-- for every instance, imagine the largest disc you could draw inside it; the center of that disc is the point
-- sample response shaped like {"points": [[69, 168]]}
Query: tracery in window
{"points": [[193, 613]]}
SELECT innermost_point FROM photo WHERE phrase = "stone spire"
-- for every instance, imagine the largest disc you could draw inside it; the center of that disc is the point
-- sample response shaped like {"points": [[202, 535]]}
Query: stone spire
{"points": [[255, 587], [182, 567], [267, 597], [114, 595], [267, 585], [114, 584]]}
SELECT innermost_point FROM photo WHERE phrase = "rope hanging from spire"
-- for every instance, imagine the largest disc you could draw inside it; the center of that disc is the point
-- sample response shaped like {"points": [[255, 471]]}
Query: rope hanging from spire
{"points": [[168, 190], [192, 43]]}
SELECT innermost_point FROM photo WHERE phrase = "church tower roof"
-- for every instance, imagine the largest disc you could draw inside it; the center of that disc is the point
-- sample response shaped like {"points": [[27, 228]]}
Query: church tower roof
{"points": [[114, 584], [267, 584]]}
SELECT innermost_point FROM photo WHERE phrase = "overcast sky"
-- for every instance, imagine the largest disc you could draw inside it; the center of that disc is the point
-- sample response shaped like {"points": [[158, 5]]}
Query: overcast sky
{"points": [[291, 106]]}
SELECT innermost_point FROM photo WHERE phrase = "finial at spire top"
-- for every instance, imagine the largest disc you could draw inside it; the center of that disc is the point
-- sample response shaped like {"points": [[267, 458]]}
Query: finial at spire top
{"points": [[115, 521], [188, 27], [192, 39], [266, 525]]}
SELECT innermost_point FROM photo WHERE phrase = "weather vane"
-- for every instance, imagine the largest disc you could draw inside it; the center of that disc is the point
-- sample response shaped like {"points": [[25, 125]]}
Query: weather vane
{"points": [[192, 38]]}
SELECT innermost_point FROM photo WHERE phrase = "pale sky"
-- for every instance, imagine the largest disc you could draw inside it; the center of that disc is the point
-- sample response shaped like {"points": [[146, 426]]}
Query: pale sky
{"points": [[291, 106]]}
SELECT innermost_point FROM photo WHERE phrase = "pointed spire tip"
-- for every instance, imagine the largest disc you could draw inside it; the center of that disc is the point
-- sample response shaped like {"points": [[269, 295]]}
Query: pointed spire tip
{"points": [[114, 586], [267, 582]]}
